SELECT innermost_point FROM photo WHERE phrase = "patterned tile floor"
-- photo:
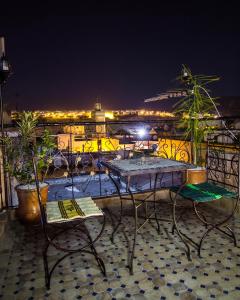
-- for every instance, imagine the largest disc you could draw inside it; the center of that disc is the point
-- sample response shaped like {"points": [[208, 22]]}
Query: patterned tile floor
{"points": [[161, 269]]}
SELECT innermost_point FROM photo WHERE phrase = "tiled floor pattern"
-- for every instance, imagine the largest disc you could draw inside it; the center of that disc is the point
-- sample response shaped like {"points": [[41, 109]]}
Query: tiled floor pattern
{"points": [[161, 269]]}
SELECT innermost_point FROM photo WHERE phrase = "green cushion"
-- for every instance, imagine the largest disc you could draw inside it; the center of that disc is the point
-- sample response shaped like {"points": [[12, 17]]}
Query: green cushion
{"points": [[203, 192]]}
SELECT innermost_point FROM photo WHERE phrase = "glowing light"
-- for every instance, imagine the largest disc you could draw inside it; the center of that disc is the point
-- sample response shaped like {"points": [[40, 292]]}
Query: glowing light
{"points": [[77, 114], [141, 132], [130, 154], [109, 115]]}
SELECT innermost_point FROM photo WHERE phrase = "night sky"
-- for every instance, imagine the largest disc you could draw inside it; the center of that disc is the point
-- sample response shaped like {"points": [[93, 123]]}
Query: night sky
{"points": [[119, 55]]}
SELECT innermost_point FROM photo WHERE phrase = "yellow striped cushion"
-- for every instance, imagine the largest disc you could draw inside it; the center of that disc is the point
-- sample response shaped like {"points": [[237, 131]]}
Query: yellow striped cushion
{"points": [[65, 210]]}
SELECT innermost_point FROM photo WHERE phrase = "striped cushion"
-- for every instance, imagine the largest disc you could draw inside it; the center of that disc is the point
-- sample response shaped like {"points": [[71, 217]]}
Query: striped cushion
{"points": [[65, 210], [203, 192]]}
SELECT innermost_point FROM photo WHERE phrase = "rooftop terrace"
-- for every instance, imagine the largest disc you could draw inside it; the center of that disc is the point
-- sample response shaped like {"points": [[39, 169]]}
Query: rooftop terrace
{"points": [[161, 267]]}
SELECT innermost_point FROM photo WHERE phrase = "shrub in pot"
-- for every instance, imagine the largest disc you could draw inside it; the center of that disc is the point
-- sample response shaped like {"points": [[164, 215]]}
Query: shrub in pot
{"points": [[194, 110], [18, 164]]}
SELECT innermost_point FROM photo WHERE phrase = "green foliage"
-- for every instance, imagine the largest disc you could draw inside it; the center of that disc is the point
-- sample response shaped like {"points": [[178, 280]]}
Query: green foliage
{"points": [[18, 150], [197, 104], [44, 152], [26, 126]]}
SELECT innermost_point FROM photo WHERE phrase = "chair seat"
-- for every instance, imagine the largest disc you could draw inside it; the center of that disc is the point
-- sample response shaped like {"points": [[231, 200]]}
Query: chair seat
{"points": [[203, 192], [71, 209]]}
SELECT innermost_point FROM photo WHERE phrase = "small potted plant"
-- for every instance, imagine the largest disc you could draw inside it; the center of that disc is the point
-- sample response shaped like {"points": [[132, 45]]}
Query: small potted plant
{"points": [[194, 110], [18, 164]]}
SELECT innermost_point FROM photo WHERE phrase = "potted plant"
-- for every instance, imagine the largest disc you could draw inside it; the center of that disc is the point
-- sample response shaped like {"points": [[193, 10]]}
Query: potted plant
{"points": [[194, 110], [18, 164]]}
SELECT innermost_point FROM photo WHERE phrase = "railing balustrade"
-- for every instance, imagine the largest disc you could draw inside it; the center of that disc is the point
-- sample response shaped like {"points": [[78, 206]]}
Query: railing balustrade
{"points": [[80, 146]]}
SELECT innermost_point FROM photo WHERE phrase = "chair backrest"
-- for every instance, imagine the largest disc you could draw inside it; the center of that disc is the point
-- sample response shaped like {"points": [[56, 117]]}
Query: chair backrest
{"points": [[222, 161]]}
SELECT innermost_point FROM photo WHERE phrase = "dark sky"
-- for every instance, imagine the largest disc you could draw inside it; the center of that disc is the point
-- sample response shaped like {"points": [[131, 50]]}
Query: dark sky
{"points": [[119, 54]]}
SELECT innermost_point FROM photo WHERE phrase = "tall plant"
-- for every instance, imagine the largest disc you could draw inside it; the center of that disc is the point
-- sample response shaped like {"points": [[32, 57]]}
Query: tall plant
{"points": [[19, 150], [196, 105]]}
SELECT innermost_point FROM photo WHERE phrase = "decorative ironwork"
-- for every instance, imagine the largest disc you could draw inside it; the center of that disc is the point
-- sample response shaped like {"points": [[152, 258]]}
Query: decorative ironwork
{"points": [[53, 231], [78, 153], [223, 167], [223, 160], [122, 171]]}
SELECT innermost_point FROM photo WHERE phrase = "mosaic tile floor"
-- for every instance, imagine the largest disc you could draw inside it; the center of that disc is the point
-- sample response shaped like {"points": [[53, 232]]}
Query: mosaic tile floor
{"points": [[161, 269]]}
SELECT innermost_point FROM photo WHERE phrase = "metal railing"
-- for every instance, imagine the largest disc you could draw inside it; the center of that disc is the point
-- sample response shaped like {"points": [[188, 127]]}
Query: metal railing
{"points": [[80, 146]]}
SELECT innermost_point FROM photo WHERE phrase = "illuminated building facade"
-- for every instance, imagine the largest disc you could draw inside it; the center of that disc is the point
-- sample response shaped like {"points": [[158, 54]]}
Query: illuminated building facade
{"points": [[87, 115]]}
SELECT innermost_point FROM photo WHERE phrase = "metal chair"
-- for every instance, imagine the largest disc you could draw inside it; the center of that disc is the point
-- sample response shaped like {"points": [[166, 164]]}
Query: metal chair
{"points": [[223, 180], [67, 216]]}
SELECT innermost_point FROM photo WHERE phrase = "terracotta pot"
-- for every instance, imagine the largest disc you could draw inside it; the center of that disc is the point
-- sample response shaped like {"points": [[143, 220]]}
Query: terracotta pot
{"points": [[196, 176], [28, 211]]}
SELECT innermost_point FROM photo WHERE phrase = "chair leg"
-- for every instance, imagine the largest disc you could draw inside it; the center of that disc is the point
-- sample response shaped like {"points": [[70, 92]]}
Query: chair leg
{"points": [[204, 218], [121, 208], [46, 269], [68, 252], [202, 239], [233, 235], [134, 242], [94, 252], [154, 202], [98, 260], [177, 221], [118, 224], [213, 226], [175, 225]]}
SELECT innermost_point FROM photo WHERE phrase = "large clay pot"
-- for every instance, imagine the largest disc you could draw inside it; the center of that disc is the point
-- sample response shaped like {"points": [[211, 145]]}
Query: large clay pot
{"points": [[196, 176], [28, 211]]}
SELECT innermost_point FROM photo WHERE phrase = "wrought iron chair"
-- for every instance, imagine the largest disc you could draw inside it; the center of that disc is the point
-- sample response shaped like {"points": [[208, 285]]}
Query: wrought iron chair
{"points": [[67, 216], [223, 181]]}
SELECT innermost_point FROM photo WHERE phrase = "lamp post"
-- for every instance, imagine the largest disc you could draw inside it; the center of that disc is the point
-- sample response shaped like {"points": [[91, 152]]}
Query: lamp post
{"points": [[4, 73]]}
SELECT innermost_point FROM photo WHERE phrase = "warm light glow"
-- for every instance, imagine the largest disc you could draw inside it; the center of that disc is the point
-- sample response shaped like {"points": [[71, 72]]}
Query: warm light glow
{"points": [[85, 146], [87, 114], [174, 149], [80, 129], [109, 115], [109, 144]]}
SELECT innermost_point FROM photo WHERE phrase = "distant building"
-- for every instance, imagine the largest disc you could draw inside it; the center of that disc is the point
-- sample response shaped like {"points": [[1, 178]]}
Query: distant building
{"points": [[75, 129], [98, 115]]}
